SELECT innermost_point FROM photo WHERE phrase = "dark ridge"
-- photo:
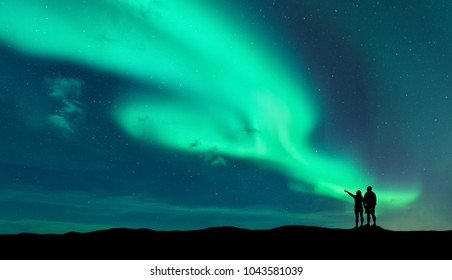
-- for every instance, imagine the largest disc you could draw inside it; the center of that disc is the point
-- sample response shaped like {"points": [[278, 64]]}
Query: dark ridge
{"points": [[286, 242]]}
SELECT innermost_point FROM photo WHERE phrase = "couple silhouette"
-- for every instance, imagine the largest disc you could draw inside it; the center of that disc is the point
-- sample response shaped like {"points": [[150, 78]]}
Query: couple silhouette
{"points": [[368, 201]]}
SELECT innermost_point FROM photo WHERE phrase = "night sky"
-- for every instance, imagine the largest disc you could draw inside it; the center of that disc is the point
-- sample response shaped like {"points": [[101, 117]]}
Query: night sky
{"points": [[175, 115]]}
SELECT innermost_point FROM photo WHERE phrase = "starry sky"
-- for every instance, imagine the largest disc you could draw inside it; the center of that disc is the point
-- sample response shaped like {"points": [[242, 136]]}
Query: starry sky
{"points": [[176, 115]]}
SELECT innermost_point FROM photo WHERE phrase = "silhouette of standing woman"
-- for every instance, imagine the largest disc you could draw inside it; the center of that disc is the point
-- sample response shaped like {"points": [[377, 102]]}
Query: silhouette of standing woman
{"points": [[370, 201], [359, 199]]}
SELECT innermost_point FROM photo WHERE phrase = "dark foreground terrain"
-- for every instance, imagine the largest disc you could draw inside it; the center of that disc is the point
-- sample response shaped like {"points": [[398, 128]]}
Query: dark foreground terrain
{"points": [[282, 243]]}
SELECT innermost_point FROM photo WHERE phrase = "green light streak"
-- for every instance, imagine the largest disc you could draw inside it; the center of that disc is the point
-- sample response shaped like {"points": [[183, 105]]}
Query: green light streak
{"points": [[223, 90]]}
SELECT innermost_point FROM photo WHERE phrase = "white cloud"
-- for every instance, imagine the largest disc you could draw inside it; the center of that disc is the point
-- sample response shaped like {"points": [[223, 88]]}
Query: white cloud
{"points": [[212, 157], [65, 88], [60, 122], [71, 111], [218, 161]]}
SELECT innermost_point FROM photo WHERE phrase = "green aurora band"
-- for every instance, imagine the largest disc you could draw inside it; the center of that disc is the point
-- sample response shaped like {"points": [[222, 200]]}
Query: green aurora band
{"points": [[214, 86]]}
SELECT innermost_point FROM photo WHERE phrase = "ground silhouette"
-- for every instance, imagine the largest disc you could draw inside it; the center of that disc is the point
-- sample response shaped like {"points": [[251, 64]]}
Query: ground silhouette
{"points": [[286, 242]]}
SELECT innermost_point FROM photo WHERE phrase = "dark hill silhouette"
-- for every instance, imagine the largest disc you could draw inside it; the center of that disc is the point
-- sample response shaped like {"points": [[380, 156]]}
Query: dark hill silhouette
{"points": [[286, 242]]}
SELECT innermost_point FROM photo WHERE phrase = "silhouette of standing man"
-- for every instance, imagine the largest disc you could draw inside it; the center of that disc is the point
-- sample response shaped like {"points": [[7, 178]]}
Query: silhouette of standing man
{"points": [[358, 206], [370, 201]]}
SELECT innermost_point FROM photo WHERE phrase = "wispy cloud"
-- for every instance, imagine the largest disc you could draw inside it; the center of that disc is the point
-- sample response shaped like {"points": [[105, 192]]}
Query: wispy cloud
{"points": [[145, 211], [47, 227], [212, 157], [67, 91]]}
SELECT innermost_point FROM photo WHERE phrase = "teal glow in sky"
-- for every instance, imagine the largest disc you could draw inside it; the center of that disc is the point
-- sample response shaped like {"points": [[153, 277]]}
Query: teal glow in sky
{"points": [[178, 115]]}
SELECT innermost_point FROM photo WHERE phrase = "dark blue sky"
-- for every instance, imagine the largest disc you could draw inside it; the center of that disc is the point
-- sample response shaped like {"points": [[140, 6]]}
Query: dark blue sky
{"points": [[253, 114]]}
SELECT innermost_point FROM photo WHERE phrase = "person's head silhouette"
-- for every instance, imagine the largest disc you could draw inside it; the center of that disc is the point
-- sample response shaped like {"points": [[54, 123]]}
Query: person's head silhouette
{"points": [[369, 188]]}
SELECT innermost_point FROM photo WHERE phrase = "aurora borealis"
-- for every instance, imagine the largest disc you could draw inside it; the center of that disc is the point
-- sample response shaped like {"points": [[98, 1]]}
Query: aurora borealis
{"points": [[191, 114]]}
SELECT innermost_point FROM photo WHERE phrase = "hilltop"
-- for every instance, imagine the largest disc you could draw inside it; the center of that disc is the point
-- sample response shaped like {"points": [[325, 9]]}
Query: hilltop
{"points": [[286, 242]]}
